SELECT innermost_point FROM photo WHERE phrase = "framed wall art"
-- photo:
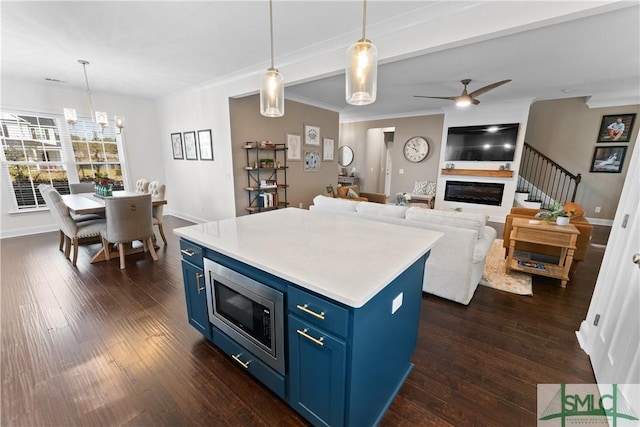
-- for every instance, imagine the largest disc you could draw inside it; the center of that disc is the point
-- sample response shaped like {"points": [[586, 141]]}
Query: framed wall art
{"points": [[190, 148], [311, 135], [616, 128], [205, 144], [293, 147], [176, 145], [608, 159], [311, 161], [327, 149]]}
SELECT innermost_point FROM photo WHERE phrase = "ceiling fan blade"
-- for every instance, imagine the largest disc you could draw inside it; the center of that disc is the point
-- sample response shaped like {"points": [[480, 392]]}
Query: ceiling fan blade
{"points": [[450, 98], [475, 101], [487, 88]]}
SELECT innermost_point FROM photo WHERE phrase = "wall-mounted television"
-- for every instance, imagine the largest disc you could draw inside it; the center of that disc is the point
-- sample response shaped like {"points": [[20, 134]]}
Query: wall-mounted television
{"points": [[482, 143]]}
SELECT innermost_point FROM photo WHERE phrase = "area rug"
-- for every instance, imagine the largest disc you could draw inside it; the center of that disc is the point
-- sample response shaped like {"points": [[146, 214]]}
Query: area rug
{"points": [[494, 276]]}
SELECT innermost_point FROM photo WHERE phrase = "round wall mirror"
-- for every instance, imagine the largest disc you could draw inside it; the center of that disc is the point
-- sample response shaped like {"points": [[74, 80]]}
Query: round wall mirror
{"points": [[345, 155]]}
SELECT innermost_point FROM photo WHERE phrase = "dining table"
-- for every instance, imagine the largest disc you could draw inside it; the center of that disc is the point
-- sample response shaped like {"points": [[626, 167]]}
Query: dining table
{"points": [[90, 203]]}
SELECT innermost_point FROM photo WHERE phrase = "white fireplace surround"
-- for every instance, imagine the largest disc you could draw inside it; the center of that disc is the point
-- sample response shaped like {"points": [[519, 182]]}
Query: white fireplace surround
{"points": [[513, 112]]}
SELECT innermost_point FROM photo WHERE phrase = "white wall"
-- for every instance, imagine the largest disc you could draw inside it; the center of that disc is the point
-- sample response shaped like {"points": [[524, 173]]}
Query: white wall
{"points": [[482, 114], [141, 138]]}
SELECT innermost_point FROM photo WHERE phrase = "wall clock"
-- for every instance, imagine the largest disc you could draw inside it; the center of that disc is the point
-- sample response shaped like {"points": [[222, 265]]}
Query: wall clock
{"points": [[416, 149]]}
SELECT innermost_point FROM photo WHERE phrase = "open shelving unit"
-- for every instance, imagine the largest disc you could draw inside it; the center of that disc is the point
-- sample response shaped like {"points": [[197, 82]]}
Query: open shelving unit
{"points": [[266, 169]]}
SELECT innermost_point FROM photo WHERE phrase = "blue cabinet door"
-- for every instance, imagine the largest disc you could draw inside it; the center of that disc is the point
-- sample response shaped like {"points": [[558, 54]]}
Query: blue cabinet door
{"points": [[196, 295], [317, 373]]}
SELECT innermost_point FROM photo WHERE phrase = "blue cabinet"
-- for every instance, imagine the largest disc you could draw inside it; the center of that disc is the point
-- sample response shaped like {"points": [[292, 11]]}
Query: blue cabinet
{"points": [[194, 288], [317, 373]]}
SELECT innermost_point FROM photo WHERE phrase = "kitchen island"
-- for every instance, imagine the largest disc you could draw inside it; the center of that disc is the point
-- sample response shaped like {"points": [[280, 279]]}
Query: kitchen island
{"points": [[351, 292]]}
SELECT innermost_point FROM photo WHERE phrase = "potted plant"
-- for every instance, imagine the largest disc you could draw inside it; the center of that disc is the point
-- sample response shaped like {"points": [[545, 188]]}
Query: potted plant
{"points": [[557, 213]]}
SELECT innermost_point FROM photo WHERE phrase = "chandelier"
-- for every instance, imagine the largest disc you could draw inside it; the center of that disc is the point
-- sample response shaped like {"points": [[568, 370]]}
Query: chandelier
{"points": [[99, 117]]}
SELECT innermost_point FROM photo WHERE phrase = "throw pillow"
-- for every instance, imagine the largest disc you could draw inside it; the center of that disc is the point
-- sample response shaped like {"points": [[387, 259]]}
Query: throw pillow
{"points": [[351, 193], [578, 211]]}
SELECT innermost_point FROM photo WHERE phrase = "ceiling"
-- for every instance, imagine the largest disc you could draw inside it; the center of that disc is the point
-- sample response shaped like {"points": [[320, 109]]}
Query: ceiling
{"points": [[155, 48]]}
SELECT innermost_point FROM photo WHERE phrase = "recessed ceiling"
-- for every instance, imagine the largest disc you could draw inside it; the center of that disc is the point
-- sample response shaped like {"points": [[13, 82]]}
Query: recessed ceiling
{"points": [[154, 48]]}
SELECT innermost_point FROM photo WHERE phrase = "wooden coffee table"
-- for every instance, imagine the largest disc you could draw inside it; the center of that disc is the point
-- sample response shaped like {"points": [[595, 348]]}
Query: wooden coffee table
{"points": [[547, 234]]}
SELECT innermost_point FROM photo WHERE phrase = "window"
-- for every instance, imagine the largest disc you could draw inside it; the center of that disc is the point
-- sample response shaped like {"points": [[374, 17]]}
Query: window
{"points": [[35, 150]]}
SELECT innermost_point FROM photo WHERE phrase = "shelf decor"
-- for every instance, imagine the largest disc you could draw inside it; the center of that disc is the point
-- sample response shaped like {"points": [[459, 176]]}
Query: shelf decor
{"points": [[205, 144], [176, 146]]}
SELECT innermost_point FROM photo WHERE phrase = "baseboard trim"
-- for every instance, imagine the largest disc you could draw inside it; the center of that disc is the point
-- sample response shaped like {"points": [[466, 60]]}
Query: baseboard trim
{"points": [[28, 231], [600, 221]]}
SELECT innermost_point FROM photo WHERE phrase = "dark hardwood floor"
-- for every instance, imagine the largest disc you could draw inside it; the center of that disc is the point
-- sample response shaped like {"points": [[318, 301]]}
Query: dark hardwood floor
{"points": [[100, 346]]}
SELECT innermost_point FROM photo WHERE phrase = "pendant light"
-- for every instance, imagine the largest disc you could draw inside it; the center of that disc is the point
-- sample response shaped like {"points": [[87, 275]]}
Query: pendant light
{"points": [[100, 117], [271, 83], [362, 68]]}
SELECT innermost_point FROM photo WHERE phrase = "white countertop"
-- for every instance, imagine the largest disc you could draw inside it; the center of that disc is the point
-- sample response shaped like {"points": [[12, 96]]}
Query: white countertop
{"points": [[344, 258]]}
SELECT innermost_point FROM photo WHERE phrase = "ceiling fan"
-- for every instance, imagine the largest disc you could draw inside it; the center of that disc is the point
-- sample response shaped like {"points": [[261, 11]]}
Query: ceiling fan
{"points": [[465, 98]]}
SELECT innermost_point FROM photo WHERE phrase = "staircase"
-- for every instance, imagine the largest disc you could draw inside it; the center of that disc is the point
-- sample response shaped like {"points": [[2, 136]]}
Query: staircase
{"points": [[541, 181]]}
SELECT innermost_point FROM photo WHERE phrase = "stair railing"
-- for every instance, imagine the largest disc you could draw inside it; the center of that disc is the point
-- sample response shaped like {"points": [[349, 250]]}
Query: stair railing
{"points": [[545, 180]]}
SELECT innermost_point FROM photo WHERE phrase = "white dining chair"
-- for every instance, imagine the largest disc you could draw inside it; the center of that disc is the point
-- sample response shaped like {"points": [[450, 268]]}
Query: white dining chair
{"points": [[142, 185], [70, 231], [128, 219], [82, 187], [157, 191]]}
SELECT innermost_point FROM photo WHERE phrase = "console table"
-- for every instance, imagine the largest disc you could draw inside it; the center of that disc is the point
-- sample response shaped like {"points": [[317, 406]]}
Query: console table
{"points": [[547, 234]]}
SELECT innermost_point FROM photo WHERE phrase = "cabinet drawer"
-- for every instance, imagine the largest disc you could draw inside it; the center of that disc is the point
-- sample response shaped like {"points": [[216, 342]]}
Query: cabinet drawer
{"points": [[191, 252], [250, 363], [318, 311]]}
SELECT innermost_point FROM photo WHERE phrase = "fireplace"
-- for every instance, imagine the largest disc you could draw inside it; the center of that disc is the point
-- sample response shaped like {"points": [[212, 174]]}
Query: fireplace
{"points": [[482, 193]]}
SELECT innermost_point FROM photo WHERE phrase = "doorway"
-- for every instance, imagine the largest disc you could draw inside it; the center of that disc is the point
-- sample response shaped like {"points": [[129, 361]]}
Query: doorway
{"points": [[379, 163]]}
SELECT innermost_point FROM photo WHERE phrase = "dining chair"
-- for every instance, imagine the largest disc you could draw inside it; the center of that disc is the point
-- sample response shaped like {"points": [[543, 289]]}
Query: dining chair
{"points": [[70, 231], [82, 187], [142, 185], [157, 191], [128, 219]]}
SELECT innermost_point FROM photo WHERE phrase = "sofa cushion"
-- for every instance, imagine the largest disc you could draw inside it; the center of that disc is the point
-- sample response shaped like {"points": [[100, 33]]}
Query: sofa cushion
{"points": [[473, 221], [344, 189], [424, 188], [352, 194], [378, 209], [329, 204]]}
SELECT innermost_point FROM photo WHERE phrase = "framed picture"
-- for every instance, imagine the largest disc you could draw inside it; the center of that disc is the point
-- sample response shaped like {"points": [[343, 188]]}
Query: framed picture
{"points": [[311, 135], [616, 128], [311, 161], [176, 145], [608, 159], [190, 149], [205, 144], [293, 147], [327, 152]]}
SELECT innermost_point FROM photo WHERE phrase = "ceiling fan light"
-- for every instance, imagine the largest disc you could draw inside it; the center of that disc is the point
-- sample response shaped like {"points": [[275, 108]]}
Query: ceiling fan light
{"points": [[272, 93], [463, 101], [361, 73]]}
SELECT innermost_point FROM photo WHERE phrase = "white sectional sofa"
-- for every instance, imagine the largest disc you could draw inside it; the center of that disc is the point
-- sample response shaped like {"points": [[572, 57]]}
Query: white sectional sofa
{"points": [[455, 265]]}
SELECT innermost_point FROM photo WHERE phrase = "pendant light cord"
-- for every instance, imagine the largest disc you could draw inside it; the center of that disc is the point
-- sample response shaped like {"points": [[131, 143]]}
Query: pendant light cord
{"points": [[271, 28], [86, 80], [364, 18]]}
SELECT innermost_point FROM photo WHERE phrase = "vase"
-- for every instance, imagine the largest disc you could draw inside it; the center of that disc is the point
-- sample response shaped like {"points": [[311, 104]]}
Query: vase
{"points": [[562, 220]]}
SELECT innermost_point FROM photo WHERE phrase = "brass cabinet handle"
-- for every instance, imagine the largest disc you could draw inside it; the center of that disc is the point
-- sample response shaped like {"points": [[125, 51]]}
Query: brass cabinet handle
{"points": [[198, 287], [236, 357], [311, 312], [304, 333], [188, 252]]}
